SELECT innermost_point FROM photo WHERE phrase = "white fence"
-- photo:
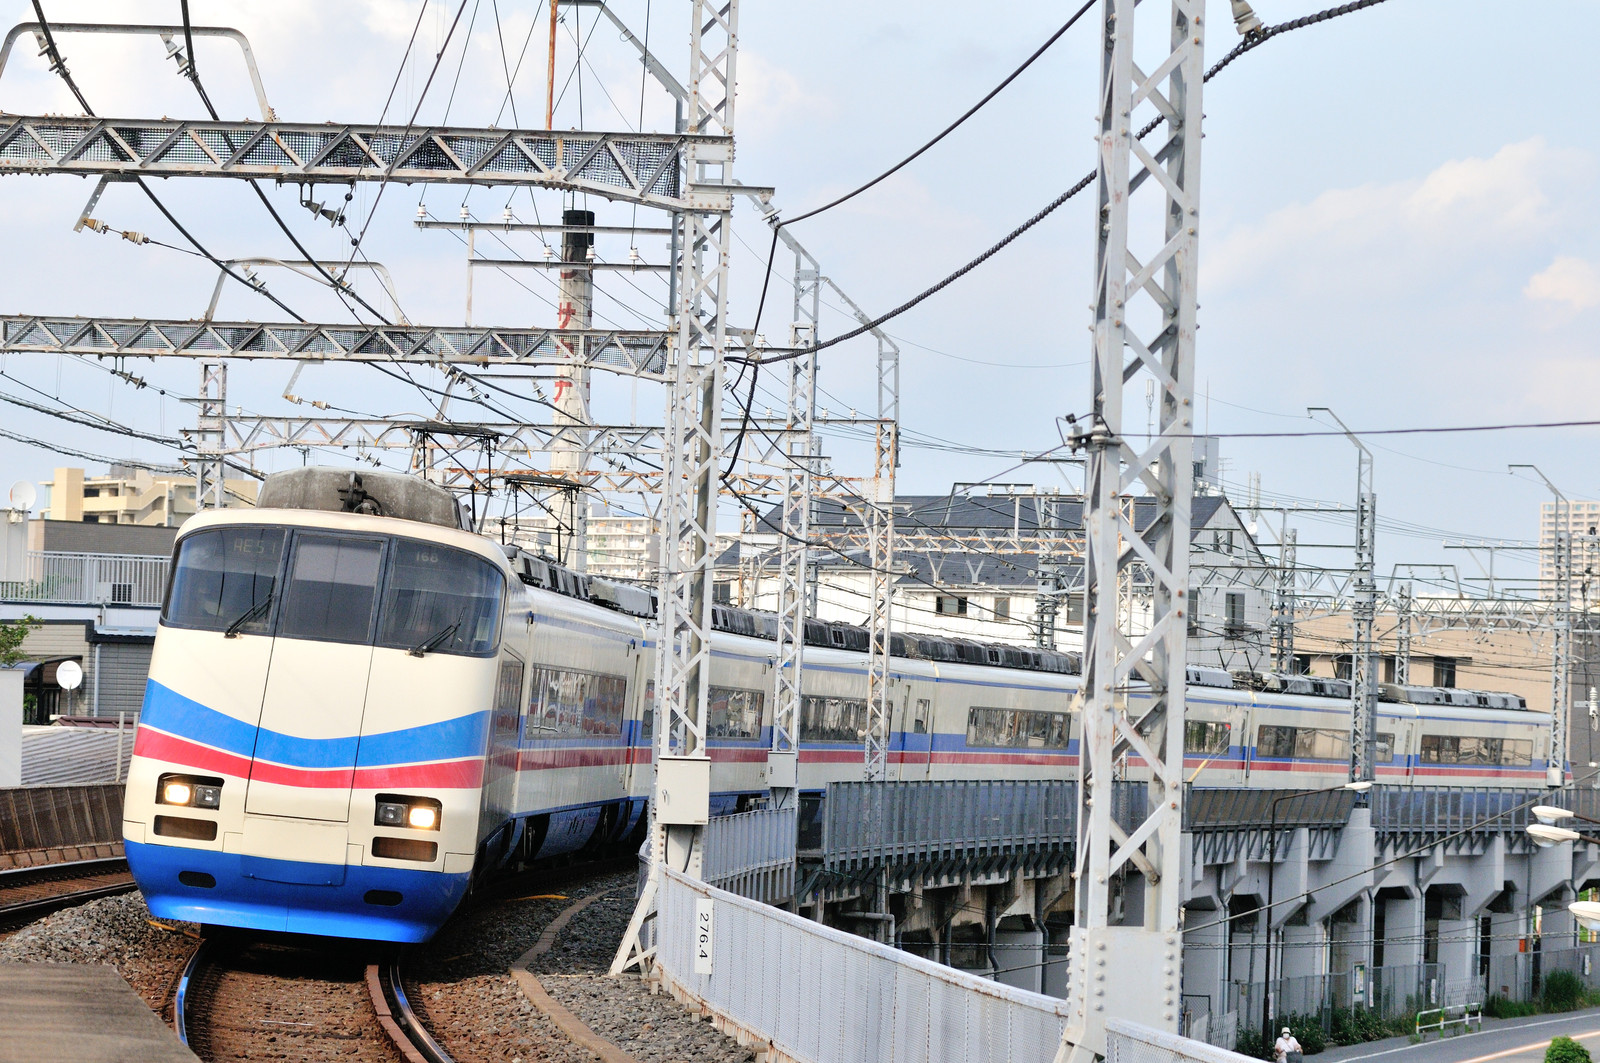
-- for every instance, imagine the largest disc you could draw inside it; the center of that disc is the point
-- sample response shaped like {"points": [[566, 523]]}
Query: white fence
{"points": [[114, 579], [817, 995], [752, 853], [1129, 1042]]}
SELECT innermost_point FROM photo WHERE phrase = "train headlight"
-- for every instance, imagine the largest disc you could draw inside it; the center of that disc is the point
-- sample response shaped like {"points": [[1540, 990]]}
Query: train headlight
{"points": [[189, 790], [400, 810]]}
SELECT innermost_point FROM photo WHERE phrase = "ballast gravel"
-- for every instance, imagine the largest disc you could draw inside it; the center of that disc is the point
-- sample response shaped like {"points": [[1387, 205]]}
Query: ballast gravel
{"points": [[648, 1025], [459, 983]]}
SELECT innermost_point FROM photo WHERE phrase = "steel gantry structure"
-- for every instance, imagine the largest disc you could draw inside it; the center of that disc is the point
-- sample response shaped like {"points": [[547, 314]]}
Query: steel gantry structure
{"points": [[686, 172], [1561, 642], [1144, 325], [1363, 614]]}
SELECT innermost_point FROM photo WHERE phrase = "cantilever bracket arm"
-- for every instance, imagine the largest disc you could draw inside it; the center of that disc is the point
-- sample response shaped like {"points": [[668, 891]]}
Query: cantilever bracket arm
{"points": [[166, 33]]}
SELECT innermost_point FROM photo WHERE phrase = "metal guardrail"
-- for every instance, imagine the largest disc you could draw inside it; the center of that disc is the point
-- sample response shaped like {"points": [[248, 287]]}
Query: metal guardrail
{"points": [[1226, 808], [1441, 1019], [835, 997], [94, 579], [752, 853], [54, 817], [1441, 810], [867, 824]]}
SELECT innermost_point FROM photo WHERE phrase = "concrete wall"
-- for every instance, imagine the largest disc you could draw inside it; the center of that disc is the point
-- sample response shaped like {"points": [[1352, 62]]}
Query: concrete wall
{"points": [[10, 727]]}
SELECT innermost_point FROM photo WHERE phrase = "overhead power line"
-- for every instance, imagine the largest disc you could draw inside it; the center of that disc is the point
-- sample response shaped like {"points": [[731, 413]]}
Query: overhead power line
{"points": [[59, 67], [1249, 44]]}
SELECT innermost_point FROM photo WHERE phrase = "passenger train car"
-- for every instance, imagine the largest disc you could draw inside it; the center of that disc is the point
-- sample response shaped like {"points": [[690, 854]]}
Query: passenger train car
{"points": [[355, 706]]}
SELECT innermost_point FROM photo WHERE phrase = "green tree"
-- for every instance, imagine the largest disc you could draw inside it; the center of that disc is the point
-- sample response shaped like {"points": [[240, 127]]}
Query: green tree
{"points": [[12, 634], [1566, 1050]]}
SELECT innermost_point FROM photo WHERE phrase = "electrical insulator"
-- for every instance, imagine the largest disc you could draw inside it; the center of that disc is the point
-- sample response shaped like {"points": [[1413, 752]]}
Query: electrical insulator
{"points": [[466, 215], [505, 215], [135, 238], [589, 254], [95, 225], [633, 255], [422, 212], [548, 253]]}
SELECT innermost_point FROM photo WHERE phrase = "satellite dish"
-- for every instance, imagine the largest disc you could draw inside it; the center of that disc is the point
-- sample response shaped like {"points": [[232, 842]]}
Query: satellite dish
{"points": [[69, 675], [23, 495]]}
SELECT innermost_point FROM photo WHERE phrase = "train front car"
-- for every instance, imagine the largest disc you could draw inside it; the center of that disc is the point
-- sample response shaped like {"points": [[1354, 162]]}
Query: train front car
{"points": [[311, 754]]}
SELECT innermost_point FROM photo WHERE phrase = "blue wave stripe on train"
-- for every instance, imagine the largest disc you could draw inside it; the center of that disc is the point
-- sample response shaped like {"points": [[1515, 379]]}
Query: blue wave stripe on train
{"points": [[461, 737]]}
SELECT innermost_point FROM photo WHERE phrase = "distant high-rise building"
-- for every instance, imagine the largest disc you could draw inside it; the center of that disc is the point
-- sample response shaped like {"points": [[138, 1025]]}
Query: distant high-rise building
{"points": [[1584, 525], [126, 495]]}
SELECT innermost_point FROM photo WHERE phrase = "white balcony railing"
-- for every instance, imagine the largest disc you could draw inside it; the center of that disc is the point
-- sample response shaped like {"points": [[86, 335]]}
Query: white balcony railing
{"points": [[89, 579]]}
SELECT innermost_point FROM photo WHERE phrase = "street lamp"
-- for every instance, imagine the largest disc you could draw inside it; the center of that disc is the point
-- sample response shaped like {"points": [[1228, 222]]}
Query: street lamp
{"points": [[1358, 787], [1587, 913]]}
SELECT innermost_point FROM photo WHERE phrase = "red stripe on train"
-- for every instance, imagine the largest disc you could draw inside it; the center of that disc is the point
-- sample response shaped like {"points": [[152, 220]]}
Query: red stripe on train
{"points": [[446, 775]]}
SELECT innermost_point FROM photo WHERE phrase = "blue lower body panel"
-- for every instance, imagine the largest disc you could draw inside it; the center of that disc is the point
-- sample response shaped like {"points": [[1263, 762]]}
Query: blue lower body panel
{"points": [[295, 897]]}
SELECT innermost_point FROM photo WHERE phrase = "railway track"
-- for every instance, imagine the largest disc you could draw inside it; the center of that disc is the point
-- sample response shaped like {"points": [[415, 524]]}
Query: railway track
{"points": [[259, 1000], [30, 892]]}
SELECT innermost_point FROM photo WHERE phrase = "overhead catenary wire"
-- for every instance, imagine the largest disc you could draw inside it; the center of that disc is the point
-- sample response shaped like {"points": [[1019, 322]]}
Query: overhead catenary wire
{"points": [[1249, 44], [59, 67], [192, 71]]}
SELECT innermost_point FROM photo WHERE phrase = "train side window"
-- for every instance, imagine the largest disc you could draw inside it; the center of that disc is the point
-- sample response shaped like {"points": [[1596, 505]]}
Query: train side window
{"points": [[223, 577], [443, 599], [1385, 746], [333, 582], [734, 713], [920, 721], [1205, 736], [1016, 728], [1274, 741], [508, 699], [1516, 752], [824, 719]]}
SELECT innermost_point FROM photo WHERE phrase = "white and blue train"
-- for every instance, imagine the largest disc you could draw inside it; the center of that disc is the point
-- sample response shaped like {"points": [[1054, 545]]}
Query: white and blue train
{"points": [[355, 706]]}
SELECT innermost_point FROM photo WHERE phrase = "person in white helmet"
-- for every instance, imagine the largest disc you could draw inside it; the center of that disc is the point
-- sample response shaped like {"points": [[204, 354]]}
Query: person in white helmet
{"points": [[1287, 1049]]}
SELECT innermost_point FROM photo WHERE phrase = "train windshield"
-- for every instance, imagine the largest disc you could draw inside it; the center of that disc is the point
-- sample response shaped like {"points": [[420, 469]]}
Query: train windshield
{"points": [[398, 593], [225, 580], [333, 584], [439, 600]]}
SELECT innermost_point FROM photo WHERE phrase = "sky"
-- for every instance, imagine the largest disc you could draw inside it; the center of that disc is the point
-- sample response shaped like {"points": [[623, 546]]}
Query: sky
{"points": [[1398, 223]]}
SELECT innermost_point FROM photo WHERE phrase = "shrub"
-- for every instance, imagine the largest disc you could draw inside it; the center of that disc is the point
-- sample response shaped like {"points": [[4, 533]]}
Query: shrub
{"points": [[1247, 1042], [1563, 991], [1566, 1050], [1499, 1007], [1307, 1029]]}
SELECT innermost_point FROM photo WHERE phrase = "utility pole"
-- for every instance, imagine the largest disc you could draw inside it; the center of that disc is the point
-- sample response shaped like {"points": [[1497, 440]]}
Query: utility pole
{"points": [[1284, 604], [1047, 602], [1144, 307], [574, 310], [1561, 637], [681, 802], [1402, 636], [1363, 615], [793, 549], [210, 470]]}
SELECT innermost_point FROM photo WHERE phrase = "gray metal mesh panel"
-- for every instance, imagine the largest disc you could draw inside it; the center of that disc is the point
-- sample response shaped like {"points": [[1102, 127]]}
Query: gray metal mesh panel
{"points": [[841, 998]]}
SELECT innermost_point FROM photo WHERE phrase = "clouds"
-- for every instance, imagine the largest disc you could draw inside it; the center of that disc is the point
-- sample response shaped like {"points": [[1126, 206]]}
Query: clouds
{"points": [[1405, 237], [1569, 281]]}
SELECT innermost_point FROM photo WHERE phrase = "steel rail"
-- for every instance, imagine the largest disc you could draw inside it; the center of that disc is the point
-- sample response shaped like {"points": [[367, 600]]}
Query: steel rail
{"points": [[397, 1018], [180, 997]]}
